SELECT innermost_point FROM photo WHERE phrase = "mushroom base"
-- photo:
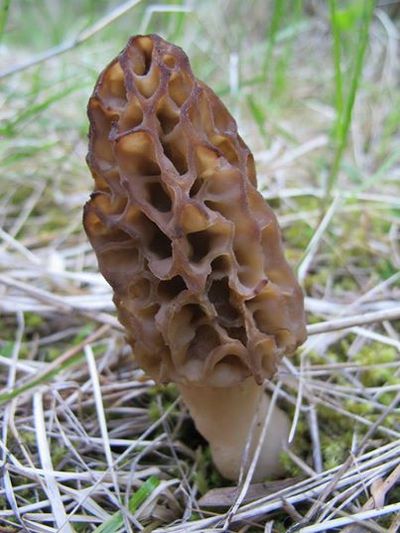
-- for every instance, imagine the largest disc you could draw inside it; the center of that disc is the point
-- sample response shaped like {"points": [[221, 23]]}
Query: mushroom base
{"points": [[224, 416]]}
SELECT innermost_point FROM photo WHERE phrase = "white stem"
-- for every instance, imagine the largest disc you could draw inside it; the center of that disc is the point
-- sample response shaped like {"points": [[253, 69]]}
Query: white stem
{"points": [[224, 416]]}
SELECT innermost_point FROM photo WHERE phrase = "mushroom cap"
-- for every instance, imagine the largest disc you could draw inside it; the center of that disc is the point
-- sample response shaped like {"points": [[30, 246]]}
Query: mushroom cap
{"points": [[191, 249]]}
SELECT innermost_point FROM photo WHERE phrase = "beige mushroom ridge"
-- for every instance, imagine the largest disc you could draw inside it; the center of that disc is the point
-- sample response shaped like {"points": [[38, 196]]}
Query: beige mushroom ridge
{"points": [[190, 248]]}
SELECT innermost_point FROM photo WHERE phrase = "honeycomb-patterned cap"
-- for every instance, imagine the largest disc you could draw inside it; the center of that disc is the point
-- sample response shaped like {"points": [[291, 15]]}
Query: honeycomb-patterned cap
{"points": [[190, 248]]}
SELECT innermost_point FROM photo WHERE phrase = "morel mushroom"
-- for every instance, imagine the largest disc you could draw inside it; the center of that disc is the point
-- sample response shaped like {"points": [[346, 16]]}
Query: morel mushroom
{"points": [[190, 248]]}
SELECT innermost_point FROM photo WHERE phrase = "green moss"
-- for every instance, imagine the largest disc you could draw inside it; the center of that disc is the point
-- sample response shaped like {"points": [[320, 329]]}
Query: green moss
{"points": [[316, 279], [51, 353], [153, 411], [331, 357], [169, 391], [56, 220], [7, 330], [3, 503], [336, 434], [58, 454], [167, 394], [28, 438], [275, 203], [293, 256], [7, 349], [291, 469], [387, 398], [203, 463], [358, 408], [280, 527], [394, 495], [81, 527], [206, 476], [298, 235], [375, 354], [33, 321], [310, 203], [331, 417], [348, 284], [201, 481], [334, 451], [385, 268], [392, 421]]}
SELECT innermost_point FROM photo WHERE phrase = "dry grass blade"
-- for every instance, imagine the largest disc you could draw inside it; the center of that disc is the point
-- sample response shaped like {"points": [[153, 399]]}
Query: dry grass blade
{"points": [[11, 241], [356, 517], [379, 491], [349, 322], [60, 304], [312, 246], [100, 413], [9, 413], [50, 484]]}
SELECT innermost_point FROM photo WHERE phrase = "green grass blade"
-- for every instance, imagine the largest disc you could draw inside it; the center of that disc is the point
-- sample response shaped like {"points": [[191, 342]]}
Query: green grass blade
{"points": [[258, 115], [178, 22], [364, 34], [5, 10], [344, 121], [336, 61], [21, 153], [36, 108], [389, 163], [116, 521], [286, 24], [277, 13]]}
